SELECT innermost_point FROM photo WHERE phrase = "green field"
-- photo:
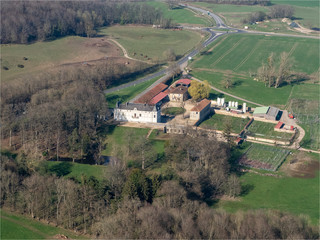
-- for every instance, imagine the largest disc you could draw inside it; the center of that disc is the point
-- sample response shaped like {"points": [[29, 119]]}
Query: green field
{"points": [[247, 52], [264, 157], [217, 122], [128, 93], [75, 170], [294, 195], [151, 42], [301, 3], [180, 15], [15, 226], [173, 110], [266, 130]]}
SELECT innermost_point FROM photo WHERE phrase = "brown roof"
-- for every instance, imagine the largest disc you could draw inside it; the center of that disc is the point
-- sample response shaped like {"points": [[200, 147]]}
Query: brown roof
{"points": [[201, 105], [179, 90], [146, 98]]}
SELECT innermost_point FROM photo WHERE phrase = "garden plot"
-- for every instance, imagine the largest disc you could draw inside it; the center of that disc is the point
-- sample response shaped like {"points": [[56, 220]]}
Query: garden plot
{"points": [[263, 157], [266, 130]]}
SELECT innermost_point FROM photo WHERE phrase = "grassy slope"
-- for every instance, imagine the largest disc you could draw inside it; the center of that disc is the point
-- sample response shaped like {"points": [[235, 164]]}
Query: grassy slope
{"points": [[152, 42], [22, 227], [179, 15], [266, 130], [126, 94], [295, 195]]}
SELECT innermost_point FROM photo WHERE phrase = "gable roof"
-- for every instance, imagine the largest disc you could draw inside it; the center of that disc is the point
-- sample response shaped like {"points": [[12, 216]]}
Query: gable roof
{"points": [[158, 98], [279, 125], [146, 98], [273, 111], [201, 105], [179, 90]]}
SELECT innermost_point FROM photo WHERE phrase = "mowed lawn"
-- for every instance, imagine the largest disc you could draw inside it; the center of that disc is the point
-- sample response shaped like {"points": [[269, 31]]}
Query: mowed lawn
{"points": [[266, 130], [294, 195], [128, 93], [15, 226], [217, 122], [49, 54], [148, 42], [243, 53], [180, 15]]}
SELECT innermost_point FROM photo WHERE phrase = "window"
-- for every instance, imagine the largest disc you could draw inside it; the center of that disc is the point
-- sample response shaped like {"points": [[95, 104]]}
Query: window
{"points": [[196, 112], [140, 114], [154, 116]]}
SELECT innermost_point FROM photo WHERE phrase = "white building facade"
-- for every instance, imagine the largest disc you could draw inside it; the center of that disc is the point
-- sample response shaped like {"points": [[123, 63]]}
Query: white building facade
{"points": [[137, 112]]}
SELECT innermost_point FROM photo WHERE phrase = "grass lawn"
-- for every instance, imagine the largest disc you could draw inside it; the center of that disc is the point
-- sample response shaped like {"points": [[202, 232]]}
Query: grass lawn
{"points": [[294, 195], [119, 136], [246, 88], [128, 93], [15, 226], [217, 122], [180, 15], [49, 54], [151, 42], [173, 111], [76, 170], [266, 130]]}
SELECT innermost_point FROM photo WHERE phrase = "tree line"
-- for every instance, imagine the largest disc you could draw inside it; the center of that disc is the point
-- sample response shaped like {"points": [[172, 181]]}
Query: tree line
{"points": [[26, 21], [59, 113], [276, 11], [130, 203]]}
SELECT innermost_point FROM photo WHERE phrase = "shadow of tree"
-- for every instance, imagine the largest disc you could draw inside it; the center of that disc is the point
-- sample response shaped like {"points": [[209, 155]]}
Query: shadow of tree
{"points": [[245, 189], [61, 169]]}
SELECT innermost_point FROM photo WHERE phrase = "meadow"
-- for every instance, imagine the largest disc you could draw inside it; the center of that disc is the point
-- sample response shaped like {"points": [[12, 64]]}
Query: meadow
{"points": [[39, 56], [15, 226], [299, 196], [180, 14], [126, 94], [143, 42]]}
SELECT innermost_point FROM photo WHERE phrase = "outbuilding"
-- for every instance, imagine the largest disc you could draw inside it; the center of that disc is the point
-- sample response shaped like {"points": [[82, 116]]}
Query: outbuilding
{"points": [[270, 113], [201, 110], [179, 94]]}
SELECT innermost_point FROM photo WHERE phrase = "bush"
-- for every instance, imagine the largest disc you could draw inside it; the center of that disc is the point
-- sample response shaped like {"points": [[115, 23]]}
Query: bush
{"points": [[20, 66]]}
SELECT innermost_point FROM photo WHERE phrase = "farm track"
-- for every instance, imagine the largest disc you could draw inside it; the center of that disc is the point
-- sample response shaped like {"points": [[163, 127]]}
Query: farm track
{"points": [[226, 53], [248, 56], [292, 49]]}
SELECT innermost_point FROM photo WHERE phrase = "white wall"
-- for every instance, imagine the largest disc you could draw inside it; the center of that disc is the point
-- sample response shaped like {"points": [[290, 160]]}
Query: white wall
{"points": [[137, 116]]}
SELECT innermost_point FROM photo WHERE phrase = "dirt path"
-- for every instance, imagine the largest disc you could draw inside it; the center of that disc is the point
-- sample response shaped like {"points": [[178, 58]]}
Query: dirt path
{"points": [[25, 226], [228, 94], [125, 53]]}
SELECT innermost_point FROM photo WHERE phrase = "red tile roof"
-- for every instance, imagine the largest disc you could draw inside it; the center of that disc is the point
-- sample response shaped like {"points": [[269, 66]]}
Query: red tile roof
{"points": [[184, 81], [279, 125], [201, 105], [158, 98], [146, 98]]}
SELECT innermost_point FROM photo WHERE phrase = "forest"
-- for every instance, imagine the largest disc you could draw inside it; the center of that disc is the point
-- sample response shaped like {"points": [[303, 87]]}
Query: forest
{"points": [[129, 203], [28, 21]]}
